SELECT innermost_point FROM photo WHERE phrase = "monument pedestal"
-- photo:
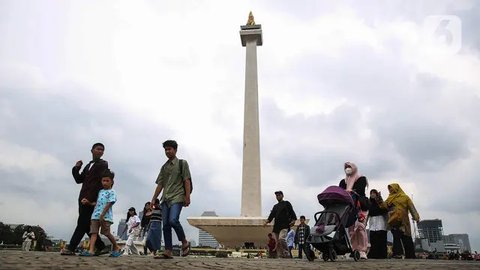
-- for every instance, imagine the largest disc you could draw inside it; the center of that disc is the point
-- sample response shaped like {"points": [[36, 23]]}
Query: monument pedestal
{"points": [[234, 232]]}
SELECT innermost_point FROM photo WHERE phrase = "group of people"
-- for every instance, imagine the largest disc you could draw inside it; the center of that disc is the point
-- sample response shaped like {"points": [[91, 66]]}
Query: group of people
{"points": [[97, 197], [380, 215], [282, 247]]}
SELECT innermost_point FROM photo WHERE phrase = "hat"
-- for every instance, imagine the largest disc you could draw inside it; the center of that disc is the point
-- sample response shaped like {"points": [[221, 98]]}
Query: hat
{"points": [[131, 208], [279, 192]]}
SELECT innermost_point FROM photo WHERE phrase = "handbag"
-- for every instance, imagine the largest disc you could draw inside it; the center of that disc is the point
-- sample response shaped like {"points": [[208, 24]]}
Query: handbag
{"points": [[395, 217]]}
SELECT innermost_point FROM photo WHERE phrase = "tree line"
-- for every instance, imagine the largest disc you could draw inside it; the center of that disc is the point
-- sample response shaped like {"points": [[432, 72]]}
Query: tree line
{"points": [[9, 236]]}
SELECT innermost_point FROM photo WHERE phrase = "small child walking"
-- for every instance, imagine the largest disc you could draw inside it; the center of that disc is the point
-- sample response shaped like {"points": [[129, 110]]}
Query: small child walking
{"points": [[133, 226], [102, 217], [154, 238]]}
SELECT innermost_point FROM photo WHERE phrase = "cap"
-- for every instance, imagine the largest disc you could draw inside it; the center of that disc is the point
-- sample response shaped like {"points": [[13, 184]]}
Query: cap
{"points": [[278, 192]]}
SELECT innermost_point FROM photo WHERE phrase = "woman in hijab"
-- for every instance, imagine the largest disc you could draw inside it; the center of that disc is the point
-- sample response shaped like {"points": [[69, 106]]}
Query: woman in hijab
{"points": [[377, 220], [398, 205], [356, 185]]}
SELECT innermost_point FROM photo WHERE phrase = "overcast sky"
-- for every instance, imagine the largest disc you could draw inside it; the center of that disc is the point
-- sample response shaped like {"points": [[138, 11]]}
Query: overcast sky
{"points": [[365, 82]]}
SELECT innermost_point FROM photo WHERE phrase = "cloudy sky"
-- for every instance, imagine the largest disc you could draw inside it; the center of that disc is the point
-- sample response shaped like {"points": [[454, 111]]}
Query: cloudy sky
{"points": [[374, 83]]}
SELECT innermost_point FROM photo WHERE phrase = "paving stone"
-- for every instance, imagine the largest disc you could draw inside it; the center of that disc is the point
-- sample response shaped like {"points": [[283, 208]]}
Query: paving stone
{"points": [[51, 260]]}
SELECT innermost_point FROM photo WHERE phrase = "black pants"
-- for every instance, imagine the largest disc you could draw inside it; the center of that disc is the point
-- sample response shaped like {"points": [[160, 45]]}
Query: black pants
{"points": [[378, 245], [83, 227], [300, 250], [403, 244]]}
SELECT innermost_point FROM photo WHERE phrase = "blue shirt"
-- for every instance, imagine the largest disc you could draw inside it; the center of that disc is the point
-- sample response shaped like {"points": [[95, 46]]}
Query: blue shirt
{"points": [[104, 196], [291, 238]]}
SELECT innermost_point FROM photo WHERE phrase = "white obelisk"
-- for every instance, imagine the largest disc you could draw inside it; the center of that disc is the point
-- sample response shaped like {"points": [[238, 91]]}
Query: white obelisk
{"points": [[251, 36]]}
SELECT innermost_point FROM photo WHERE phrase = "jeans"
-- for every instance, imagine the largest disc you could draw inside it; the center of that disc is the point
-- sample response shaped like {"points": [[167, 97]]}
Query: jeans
{"points": [[171, 217], [83, 227]]}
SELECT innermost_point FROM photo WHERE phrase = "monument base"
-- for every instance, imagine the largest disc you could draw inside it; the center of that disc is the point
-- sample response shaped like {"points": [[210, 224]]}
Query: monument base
{"points": [[232, 232]]}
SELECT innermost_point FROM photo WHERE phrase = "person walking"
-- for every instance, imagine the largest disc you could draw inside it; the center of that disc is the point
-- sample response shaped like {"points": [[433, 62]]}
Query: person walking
{"points": [[290, 241], [399, 205], [377, 222], [301, 235], [91, 180], [133, 226], [154, 238], [285, 218], [28, 236], [355, 184], [175, 181], [144, 224], [102, 217]]}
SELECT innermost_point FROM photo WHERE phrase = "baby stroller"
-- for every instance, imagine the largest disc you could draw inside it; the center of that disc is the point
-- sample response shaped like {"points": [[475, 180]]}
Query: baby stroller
{"points": [[330, 235]]}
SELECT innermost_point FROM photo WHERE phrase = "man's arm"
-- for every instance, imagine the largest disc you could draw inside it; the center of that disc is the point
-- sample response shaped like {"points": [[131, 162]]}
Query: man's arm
{"points": [[79, 178], [188, 188], [271, 216], [158, 189]]}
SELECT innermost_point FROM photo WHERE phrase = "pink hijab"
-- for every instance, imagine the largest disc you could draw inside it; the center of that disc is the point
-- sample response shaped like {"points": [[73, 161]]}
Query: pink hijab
{"points": [[353, 177]]}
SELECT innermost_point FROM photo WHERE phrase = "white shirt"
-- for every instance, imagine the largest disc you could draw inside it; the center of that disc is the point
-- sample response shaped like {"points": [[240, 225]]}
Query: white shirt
{"points": [[377, 223], [132, 221]]}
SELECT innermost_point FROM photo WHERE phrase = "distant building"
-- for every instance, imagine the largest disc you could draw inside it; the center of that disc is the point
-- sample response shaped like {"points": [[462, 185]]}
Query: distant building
{"points": [[205, 239], [431, 229], [461, 240], [122, 229], [431, 233]]}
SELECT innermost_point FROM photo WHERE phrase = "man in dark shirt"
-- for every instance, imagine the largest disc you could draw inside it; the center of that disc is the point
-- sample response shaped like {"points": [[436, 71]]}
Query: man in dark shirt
{"points": [[91, 180], [284, 217]]}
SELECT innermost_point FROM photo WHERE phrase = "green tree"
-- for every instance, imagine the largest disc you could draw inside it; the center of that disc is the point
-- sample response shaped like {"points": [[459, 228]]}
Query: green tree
{"points": [[7, 236]]}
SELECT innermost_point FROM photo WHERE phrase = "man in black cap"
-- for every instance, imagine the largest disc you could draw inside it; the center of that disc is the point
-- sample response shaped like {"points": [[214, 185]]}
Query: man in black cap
{"points": [[284, 217]]}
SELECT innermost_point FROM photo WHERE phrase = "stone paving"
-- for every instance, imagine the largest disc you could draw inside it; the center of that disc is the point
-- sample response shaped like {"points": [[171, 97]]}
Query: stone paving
{"points": [[51, 260]]}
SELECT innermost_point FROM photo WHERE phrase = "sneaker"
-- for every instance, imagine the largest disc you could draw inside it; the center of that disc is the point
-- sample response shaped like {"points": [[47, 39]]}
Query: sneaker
{"points": [[363, 255]]}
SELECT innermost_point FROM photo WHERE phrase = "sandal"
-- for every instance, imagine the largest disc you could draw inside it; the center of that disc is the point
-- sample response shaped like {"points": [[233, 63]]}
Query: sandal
{"points": [[86, 254], [186, 250], [116, 253]]}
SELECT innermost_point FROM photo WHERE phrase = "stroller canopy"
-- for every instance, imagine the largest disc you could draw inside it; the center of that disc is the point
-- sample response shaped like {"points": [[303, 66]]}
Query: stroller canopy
{"points": [[335, 195]]}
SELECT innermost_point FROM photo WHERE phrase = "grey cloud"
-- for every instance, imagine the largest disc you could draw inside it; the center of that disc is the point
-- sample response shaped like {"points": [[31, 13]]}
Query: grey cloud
{"points": [[302, 152]]}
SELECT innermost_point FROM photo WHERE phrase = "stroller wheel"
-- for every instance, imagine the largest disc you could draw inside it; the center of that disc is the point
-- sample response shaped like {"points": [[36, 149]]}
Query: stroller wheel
{"points": [[332, 254], [356, 255], [309, 253], [325, 256]]}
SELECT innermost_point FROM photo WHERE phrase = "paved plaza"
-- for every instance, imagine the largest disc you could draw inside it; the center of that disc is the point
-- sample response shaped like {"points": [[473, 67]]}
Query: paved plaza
{"points": [[51, 260]]}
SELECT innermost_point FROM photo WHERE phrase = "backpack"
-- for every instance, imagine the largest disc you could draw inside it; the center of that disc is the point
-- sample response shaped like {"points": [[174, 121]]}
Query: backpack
{"points": [[181, 171]]}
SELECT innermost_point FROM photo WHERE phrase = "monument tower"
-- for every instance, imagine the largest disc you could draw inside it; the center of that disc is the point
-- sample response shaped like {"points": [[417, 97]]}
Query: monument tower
{"points": [[248, 227], [251, 36]]}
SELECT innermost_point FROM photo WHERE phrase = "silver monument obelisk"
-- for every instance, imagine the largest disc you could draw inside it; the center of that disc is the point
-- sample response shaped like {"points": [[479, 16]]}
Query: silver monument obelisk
{"points": [[251, 36]]}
